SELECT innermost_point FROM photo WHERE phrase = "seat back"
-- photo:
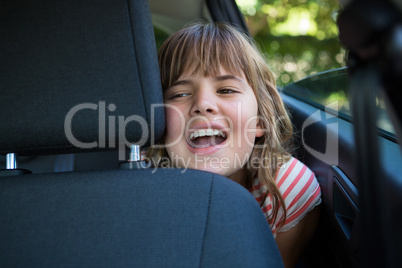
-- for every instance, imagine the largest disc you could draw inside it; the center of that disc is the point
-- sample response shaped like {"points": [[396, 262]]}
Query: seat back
{"points": [[82, 75], [130, 218], [77, 76]]}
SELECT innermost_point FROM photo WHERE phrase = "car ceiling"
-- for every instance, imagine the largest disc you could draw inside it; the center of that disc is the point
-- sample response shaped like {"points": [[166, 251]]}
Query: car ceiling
{"points": [[171, 15], [397, 3]]}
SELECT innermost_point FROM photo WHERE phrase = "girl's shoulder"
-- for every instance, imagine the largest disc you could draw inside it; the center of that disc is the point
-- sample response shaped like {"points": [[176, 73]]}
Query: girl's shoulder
{"points": [[300, 190], [291, 170]]}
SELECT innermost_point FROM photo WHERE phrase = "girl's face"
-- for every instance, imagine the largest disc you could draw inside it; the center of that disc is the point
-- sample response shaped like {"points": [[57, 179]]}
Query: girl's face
{"points": [[212, 123]]}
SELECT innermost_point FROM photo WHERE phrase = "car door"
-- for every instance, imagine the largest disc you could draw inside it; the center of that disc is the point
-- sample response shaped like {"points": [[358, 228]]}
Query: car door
{"points": [[326, 140], [330, 140]]}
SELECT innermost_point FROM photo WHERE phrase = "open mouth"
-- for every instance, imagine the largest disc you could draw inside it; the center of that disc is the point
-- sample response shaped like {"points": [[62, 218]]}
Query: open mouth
{"points": [[204, 138]]}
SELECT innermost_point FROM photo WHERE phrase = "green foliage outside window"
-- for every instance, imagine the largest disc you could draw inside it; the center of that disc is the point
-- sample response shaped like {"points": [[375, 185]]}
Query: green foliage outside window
{"points": [[298, 37]]}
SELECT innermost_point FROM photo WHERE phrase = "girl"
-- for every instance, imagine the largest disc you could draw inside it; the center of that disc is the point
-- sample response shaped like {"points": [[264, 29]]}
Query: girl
{"points": [[224, 115]]}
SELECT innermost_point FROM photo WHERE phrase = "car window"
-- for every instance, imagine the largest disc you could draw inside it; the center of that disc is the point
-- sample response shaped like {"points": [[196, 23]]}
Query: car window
{"points": [[330, 91], [160, 36], [298, 37], [300, 41]]}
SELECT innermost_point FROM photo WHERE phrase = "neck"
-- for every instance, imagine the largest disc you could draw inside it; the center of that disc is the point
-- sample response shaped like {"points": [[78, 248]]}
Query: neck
{"points": [[240, 177]]}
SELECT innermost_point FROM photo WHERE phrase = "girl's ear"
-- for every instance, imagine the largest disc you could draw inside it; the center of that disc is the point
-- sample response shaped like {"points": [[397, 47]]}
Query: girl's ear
{"points": [[259, 130]]}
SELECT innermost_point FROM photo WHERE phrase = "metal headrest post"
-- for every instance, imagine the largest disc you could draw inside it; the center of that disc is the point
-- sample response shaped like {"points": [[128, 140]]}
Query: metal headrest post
{"points": [[134, 161], [11, 161], [12, 167], [135, 154]]}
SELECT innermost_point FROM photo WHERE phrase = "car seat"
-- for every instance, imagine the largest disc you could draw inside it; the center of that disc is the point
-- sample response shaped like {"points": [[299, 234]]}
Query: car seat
{"points": [[82, 76]]}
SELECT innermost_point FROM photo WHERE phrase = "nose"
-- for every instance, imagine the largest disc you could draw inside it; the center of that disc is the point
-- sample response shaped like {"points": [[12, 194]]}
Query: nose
{"points": [[204, 103]]}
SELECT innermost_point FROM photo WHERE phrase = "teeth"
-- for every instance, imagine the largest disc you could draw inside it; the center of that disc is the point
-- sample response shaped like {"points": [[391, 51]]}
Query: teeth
{"points": [[206, 132]]}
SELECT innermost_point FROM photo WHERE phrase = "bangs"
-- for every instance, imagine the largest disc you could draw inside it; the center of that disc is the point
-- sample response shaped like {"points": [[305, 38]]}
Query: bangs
{"points": [[203, 49]]}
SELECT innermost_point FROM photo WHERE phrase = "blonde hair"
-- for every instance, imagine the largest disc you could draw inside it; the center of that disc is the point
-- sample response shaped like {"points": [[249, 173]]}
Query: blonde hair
{"points": [[215, 45]]}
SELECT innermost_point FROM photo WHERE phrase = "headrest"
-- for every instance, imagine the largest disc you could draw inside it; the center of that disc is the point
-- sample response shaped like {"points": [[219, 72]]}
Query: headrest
{"points": [[77, 75]]}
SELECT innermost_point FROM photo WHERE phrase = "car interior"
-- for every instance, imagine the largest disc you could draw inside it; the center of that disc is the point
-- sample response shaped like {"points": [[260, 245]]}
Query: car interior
{"points": [[81, 96]]}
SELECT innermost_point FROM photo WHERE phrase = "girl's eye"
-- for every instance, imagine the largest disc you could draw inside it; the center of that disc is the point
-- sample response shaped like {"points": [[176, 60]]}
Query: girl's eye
{"points": [[226, 91], [179, 95]]}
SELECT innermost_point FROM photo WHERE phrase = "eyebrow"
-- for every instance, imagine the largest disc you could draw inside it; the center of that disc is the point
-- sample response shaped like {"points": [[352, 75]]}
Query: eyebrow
{"points": [[228, 77], [180, 82]]}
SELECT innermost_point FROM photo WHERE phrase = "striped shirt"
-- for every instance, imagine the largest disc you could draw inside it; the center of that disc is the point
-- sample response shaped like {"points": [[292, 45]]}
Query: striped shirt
{"points": [[300, 191]]}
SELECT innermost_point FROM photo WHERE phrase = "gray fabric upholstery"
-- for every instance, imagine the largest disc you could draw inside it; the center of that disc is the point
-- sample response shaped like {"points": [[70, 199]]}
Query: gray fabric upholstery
{"points": [[132, 219], [56, 55]]}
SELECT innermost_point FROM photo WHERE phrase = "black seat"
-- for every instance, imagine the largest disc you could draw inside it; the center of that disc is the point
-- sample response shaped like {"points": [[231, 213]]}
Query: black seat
{"points": [[79, 76]]}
